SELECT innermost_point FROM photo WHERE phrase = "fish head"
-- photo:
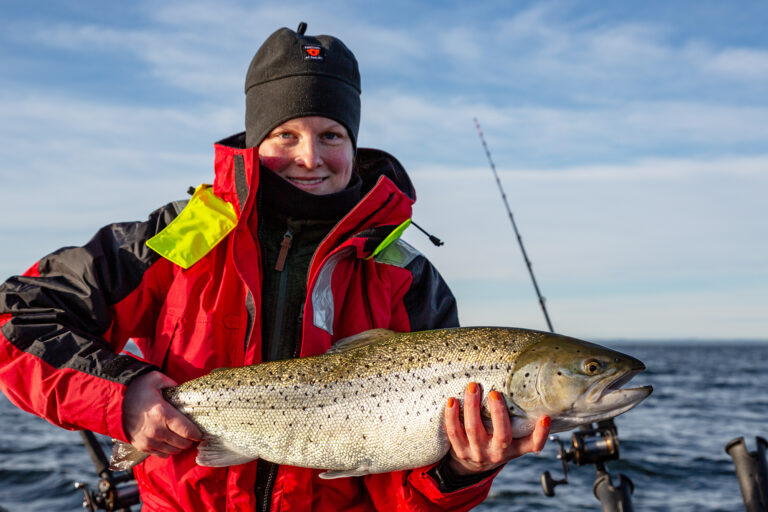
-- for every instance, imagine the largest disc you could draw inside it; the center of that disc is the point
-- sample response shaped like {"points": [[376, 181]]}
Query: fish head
{"points": [[572, 381]]}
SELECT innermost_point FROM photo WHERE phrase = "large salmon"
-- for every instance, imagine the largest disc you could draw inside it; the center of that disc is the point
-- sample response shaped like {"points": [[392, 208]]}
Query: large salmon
{"points": [[374, 403]]}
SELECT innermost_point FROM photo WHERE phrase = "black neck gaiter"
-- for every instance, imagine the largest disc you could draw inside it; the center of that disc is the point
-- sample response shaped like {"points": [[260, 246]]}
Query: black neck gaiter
{"points": [[279, 195]]}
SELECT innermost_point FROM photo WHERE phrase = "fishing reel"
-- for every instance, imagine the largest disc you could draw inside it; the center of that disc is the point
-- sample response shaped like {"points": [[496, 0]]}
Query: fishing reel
{"points": [[116, 491], [588, 446], [109, 495]]}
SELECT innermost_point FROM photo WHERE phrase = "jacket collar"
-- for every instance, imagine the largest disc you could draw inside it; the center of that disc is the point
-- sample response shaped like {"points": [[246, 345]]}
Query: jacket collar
{"points": [[388, 195], [236, 170]]}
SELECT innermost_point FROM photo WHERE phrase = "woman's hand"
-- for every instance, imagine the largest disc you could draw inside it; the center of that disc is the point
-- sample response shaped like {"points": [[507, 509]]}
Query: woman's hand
{"points": [[152, 424], [473, 450]]}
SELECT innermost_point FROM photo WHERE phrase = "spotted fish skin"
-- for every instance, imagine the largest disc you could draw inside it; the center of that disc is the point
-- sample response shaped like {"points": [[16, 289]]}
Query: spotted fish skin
{"points": [[375, 402]]}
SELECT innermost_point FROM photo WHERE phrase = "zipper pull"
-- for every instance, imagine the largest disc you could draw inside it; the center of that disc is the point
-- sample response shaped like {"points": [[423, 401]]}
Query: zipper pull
{"points": [[284, 246]]}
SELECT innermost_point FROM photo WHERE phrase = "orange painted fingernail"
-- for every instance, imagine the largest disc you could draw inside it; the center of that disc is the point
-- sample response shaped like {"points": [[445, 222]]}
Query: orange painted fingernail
{"points": [[451, 402], [472, 388], [546, 421], [494, 395]]}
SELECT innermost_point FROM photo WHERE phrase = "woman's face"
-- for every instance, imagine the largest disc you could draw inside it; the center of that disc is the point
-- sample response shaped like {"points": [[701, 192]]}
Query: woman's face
{"points": [[313, 153]]}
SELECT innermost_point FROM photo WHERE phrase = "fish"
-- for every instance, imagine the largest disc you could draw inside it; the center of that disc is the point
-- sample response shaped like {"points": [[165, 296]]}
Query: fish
{"points": [[374, 403]]}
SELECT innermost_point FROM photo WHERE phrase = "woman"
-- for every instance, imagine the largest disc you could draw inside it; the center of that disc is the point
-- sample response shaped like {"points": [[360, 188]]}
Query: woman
{"points": [[290, 250]]}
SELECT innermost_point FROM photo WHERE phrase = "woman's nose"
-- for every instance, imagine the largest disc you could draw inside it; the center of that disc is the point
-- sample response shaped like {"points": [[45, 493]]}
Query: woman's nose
{"points": [[308, 154]]}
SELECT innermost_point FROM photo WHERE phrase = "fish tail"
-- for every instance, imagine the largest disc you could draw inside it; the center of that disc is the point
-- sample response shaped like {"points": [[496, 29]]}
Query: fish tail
{"points": [[125, 456]]}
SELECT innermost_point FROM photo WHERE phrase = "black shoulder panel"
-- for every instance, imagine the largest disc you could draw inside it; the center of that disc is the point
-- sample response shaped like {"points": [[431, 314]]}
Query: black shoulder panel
{"points": [[429, 301]]}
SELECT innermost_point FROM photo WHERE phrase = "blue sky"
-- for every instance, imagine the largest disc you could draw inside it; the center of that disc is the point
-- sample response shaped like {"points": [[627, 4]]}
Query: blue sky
{"points": [[631, 139]]}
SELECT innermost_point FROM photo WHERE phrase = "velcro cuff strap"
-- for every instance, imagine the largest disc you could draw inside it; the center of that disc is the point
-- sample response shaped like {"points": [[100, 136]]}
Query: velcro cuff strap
{"points": [[200, 226]]}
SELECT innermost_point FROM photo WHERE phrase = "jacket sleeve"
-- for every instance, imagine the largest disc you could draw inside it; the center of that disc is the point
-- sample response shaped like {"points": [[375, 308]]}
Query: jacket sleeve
{"points": [[429, 304], [64, 322]]}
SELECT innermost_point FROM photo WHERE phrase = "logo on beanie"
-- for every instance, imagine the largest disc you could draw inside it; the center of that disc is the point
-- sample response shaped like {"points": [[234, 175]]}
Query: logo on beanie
{"points": [[313, 52]]}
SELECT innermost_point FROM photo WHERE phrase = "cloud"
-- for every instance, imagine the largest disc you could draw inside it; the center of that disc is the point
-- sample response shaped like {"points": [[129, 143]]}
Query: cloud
{"points": [[205, 48], [633, 153], [49, 132], [740, 63], [545, 54], [662, 315], [71, 165], [602, 230], [555, 53], [442, 130]]}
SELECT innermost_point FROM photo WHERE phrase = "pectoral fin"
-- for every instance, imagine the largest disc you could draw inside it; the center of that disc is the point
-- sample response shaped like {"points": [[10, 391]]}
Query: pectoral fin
{"points": [[215, 452]]}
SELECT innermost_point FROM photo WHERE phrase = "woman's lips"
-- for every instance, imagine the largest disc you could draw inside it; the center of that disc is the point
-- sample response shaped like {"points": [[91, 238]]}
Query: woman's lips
{"points": [[306, 181]]}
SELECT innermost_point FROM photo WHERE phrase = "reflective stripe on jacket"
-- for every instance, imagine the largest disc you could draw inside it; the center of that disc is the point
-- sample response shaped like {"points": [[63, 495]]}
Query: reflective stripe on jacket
{"points": [[65, 321]]}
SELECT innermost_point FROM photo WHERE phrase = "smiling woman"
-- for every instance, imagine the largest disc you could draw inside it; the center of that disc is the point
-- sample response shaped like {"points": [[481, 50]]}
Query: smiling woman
{"points": [[313, 153], [293, 248]]}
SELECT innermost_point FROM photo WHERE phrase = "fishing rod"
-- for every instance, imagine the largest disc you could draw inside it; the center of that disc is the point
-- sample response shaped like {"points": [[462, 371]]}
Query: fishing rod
{"points": [[590, 444], [514, 226]]}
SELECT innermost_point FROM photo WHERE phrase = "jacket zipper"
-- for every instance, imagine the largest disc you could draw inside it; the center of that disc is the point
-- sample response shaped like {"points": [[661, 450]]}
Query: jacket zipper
{"points": [[250, 306], [297, 349], [285, 245], [250, 311], [367, 301], [267, 505]]}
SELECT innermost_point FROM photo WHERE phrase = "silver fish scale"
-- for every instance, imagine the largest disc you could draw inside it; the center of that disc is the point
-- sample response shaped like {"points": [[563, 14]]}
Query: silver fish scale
{"points": [[368, 409]]}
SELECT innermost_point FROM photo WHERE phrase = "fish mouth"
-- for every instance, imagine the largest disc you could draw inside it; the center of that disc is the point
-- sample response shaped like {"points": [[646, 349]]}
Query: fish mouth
{"points": [[603, 387], [603, 400], [598, 391], [607, 398]]}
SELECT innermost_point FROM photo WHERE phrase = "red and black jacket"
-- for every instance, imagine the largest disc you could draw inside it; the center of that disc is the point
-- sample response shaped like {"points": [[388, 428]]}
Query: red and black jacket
{"points": [[64, 323]]}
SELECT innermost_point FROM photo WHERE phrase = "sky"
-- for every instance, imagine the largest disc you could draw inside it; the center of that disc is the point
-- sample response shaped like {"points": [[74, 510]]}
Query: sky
{"points": [[631, 140]]}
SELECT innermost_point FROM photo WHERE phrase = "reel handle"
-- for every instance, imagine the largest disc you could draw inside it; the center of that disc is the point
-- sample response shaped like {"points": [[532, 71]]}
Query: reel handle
{"points": [[548, 483]]}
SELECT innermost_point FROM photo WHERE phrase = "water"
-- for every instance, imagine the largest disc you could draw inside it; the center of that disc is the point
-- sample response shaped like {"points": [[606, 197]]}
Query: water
{"points": [[672, 445]]}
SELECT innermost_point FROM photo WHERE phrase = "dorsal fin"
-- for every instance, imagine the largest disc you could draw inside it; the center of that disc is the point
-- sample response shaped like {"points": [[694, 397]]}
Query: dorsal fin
{"points": [[360, 339]]}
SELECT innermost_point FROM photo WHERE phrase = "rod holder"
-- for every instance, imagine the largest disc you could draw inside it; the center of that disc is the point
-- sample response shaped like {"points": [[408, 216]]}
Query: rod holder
{"points": [[613, 498], [752, 472]]}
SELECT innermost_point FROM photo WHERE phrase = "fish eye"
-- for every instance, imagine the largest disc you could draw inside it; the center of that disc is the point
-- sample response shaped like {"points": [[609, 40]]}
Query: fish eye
{"points": [[592, 367]]}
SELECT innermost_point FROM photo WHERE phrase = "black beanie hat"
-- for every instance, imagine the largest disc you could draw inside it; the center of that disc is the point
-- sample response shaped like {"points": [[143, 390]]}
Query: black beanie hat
{"points": [[293, 75]]}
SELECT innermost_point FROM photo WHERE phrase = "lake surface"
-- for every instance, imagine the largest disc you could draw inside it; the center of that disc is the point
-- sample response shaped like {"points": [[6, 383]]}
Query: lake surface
{"points": [[672, 445]]}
